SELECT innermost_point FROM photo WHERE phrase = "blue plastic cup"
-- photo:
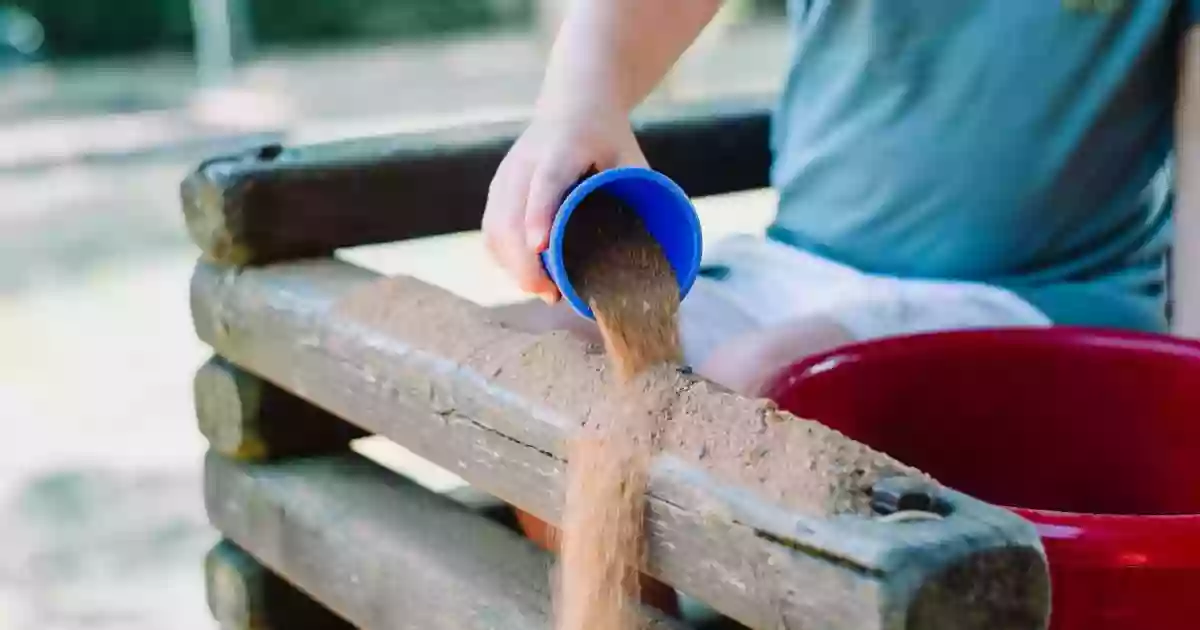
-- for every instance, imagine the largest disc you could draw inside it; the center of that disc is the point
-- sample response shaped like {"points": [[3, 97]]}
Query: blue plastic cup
{"points": [[664, 208]]}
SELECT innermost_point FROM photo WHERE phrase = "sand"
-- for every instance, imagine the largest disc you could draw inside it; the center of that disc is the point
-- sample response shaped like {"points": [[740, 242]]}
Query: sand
{"points": [[795, 463], [619, 269]]}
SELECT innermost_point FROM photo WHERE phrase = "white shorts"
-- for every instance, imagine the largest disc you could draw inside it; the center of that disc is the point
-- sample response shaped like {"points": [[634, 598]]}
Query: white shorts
{"points": [[753, 282]]}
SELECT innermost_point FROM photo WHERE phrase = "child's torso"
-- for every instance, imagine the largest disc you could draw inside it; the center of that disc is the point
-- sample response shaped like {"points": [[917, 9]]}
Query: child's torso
{"points": [[1021, 142]]}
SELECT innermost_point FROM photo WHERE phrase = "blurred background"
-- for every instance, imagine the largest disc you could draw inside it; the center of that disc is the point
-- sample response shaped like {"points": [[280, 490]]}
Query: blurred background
{"points": [[104, 106]]}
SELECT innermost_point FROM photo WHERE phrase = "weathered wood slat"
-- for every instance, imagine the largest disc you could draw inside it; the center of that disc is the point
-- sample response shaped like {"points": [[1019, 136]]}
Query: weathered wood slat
{"points": [[429, 371], [245, 595], [247, 418], [275, 204], [380, 550]]}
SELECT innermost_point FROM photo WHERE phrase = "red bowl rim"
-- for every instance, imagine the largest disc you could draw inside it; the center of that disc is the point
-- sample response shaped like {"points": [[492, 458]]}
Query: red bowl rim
{"points": [[1096, 337], [1142, 541], [1153, 539]]}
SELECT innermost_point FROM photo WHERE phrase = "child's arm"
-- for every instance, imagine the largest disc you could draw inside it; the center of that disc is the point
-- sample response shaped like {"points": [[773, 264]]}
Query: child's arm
{"points": [[1187, 215], [608, 56]]}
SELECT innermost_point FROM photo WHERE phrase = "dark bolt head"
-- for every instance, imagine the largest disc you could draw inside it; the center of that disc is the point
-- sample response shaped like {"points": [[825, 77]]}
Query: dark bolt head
{"points": [[269, 152], [903, 494]]}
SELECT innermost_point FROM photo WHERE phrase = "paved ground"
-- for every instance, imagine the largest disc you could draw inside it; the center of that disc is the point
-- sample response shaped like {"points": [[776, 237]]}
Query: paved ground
{"points": [[99, 478]]}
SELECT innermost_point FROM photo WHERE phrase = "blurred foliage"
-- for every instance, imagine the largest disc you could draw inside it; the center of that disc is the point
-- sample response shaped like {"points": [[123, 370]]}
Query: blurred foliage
{"points": [[279, 21], [76, 28], [79, 28], [100, 27]]}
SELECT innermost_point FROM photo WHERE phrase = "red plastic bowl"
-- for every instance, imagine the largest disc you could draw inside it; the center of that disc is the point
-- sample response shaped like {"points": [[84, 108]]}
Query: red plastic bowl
{"points": [[1094, 436]]}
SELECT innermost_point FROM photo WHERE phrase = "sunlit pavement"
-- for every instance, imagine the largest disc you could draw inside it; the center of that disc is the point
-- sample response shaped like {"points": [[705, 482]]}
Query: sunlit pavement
{"points": [[99, 474]]}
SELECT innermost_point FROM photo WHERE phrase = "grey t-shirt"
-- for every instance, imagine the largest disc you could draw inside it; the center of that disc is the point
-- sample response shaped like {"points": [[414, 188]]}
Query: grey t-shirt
{"points": [[1024, 143]]}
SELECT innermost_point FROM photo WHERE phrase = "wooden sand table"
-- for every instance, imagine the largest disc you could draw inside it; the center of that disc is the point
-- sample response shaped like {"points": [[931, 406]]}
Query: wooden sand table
{"points": [[776, 521]]}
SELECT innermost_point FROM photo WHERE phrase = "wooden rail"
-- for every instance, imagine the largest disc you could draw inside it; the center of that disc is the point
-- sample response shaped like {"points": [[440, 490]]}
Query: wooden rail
{"points": [[379, 550], [275, 203]]}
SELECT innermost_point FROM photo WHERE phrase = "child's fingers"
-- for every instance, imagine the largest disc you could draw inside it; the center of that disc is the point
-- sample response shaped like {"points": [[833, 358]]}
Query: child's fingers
{"points": [[504, 234], [550, 182]]}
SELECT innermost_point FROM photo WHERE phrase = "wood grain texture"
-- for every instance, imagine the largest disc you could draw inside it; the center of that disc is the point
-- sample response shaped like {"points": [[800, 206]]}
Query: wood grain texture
{"points": [[380, 550], [495, 406], [245, 595], [247, 418], [275, 204]]}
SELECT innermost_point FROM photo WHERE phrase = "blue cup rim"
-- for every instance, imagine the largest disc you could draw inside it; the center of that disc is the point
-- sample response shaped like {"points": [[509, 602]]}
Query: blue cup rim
{"points": [[572, 200]]}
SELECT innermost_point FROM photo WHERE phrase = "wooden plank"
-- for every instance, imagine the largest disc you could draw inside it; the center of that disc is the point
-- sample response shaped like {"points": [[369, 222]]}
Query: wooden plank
{"points": [[245, 417], [430, 371], [273, 203], [380, 550], [245, 595], [248, 419]]}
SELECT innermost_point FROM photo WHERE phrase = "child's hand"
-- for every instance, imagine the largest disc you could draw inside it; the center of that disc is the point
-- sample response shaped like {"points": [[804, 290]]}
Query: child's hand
{"points": [[550, 156]]}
